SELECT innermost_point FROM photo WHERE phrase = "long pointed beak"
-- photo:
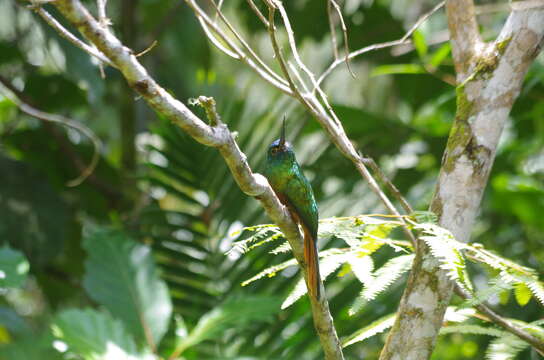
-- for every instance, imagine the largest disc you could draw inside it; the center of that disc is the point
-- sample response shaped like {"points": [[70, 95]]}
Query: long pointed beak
{"points": [[282, 137]]}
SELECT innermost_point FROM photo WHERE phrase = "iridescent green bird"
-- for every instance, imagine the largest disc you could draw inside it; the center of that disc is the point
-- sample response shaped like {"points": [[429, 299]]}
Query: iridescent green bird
{"points": [[295, 192]]}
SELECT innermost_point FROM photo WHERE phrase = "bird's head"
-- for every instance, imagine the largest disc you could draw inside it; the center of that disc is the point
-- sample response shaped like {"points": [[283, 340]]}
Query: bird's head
{"points": [[280, 149]]}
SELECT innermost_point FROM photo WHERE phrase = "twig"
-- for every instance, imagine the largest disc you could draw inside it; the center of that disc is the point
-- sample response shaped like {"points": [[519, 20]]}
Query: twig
{"points": [[403, 40], [345, 32], [207, 22], [149, 48], [218, 9], [216, 42], [246, 45], [396, 193], [538, 344], [332, 28], [279, 54], [258, 12], [69, 36], [38, 114]]}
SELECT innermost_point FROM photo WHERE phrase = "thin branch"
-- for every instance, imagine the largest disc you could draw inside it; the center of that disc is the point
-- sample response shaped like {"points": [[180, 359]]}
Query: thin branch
{"points": [[216, 42], [279, 54], [41, 115], [392, 188], [246, 45], [502, 322], [258, 12], [204, 19], [345, 32], [69, 36], [403, 40], [332, 28], [148, 49]]}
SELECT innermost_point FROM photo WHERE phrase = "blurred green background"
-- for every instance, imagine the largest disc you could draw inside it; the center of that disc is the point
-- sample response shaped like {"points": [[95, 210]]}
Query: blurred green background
{"points": [[157, 186]]}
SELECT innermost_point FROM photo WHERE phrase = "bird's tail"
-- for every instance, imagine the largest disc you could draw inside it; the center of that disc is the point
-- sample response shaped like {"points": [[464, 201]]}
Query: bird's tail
{"points": [[312, 264]]}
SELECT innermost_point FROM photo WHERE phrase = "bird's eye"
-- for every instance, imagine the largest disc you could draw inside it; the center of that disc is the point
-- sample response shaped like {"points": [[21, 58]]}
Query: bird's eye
{"points": [[274, 151]]}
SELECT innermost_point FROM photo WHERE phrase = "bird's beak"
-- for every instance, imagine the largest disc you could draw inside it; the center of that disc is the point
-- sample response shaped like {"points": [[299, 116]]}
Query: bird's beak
{"points": [[282, 137]]}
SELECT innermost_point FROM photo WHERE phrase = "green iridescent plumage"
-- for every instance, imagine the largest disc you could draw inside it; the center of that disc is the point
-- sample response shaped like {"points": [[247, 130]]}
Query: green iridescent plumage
{"points": [[294, 191]]}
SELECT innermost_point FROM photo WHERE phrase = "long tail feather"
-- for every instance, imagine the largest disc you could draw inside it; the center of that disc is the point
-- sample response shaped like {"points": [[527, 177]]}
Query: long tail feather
{"points": [[312, 264]]}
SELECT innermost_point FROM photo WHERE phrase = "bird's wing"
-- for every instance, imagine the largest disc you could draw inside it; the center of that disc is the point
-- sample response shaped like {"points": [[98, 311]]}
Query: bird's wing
{"points": [[301, 197]]}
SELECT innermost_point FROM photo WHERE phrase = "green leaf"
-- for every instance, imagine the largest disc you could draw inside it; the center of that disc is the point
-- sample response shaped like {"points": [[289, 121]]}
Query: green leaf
{"points": [[398, 69], [420, 44], [94, 335], [374, 328], [522, 294], [122, 276], [231, 314], [31, 347], [13, 268], [440, 55]]}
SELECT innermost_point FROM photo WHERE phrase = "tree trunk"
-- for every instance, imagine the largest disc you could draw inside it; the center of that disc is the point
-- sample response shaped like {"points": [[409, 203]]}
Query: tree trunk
{"points": [[490, 76]]}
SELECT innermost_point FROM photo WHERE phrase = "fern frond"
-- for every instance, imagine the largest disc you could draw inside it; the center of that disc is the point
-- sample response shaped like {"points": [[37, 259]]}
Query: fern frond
{"points": [[283, 248], [362, 268], [505, 347], [495, 286], [271, 271], [447, 250], [263, 234], [327, 266], [455, 314], [387, 275], [374, 328], [471, 329], [537, 288]]}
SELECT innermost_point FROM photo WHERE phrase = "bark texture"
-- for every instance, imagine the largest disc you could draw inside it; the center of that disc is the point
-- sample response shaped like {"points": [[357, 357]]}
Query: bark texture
{"points": [[490, 78]]}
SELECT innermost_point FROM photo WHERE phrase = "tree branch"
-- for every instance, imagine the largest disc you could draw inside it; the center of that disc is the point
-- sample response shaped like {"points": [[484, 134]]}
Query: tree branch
{"points": [[405, 39], [484, 100], [464, 35], [86, 171]]}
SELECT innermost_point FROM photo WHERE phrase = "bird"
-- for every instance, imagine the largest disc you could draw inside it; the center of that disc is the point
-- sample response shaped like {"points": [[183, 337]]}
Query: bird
{"points": [[295, 192]]}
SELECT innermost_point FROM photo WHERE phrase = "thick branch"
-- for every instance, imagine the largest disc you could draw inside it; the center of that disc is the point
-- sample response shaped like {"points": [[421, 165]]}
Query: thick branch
{"points": [[216, 135], [464, 35], [484, 100]]}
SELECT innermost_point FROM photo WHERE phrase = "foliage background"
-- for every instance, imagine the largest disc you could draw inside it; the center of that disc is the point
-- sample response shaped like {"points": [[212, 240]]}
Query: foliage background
{"points": [[157, 186]]}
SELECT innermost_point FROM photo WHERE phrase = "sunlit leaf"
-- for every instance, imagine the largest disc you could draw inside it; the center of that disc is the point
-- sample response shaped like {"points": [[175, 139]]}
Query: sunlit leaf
{"points": [[420, 44], [374, 328], [522, 294], [398, 69]]}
